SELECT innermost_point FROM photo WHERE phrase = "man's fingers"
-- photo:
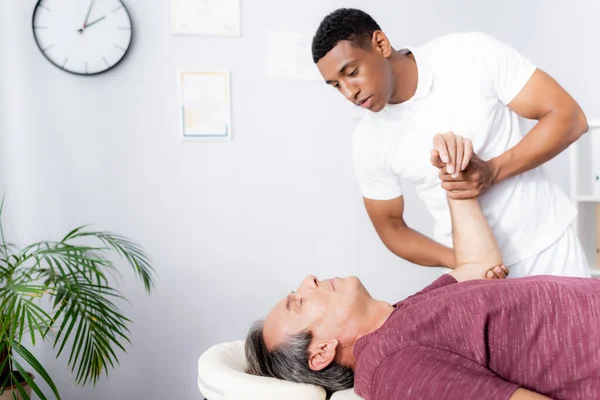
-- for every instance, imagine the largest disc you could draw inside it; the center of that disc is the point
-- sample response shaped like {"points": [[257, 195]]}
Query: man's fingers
{"points": [[455, 152], [451, 146], [435, 159], [459, 155], [499, 272], [462, 194], [449, 178], [455, 186], [439, 144], [468, 154]]}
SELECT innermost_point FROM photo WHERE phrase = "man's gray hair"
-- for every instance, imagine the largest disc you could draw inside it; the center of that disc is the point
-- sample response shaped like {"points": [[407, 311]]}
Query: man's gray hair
{"points": [[289, 361]]}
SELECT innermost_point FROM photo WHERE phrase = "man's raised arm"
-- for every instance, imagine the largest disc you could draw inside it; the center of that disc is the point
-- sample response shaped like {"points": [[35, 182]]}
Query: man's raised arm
{"points": [[475, 248]]}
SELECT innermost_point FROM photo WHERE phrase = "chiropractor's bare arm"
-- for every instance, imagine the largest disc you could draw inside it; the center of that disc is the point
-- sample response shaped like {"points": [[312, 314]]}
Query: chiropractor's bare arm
{"points": [[524, 394], [560, 122], [387, 218]]}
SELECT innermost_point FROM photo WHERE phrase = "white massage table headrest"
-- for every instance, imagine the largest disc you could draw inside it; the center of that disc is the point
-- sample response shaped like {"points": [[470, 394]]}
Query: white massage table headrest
{"points": [[222, 376]]}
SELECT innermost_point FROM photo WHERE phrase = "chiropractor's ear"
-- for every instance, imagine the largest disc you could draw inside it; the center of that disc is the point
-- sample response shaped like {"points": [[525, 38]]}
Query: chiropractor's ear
{"points": [[321, 354]]}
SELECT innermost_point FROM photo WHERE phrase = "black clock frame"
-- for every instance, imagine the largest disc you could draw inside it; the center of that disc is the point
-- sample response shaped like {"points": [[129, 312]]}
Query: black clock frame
{"points": [[35, 9]]}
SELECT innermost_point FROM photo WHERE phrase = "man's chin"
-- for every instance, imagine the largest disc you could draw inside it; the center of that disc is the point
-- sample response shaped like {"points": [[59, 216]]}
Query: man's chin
{"points": [[375, 108], [354, 280]]}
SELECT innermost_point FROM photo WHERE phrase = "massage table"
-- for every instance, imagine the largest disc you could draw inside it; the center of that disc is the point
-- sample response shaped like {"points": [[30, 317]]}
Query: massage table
{"points": [[221, 376]]}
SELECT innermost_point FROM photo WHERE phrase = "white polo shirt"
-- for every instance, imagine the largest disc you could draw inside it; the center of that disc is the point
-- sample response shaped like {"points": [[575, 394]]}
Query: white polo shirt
{"points": [[465, 82]]}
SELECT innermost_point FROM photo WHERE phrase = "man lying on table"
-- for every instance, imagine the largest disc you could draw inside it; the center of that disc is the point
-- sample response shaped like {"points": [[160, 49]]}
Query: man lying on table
{"points": [[462, 337]]}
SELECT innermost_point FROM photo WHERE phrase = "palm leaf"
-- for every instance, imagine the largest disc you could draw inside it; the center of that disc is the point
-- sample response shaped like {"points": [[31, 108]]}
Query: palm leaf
{"points": [[37, 367], [132, 253], [18, 302], [99, 326]]}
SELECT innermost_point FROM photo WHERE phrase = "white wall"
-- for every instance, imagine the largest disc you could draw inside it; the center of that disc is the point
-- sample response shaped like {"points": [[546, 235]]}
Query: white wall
{"points": [[231, 227]]}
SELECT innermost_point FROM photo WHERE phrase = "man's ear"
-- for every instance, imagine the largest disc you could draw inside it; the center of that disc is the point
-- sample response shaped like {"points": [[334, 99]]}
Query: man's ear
{"points": [[321, 354], [381, 44]]}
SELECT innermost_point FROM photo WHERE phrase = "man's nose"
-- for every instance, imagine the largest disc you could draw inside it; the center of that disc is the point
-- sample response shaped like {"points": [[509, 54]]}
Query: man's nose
{"points": [[350, 92], [310, 282]]}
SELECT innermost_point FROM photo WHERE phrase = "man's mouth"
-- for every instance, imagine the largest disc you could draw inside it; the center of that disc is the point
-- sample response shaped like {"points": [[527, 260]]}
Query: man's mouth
{"points": [[365, 103]]}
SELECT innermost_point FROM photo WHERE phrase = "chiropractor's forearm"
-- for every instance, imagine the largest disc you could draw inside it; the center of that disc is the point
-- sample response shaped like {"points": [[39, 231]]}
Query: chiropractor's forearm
{"points": [[552, 134], [416, 247], [474, 242]]}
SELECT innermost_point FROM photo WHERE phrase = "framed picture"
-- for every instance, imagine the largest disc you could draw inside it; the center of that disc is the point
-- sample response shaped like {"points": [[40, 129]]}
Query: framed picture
{"points": [[204, 104], [206, 17]]}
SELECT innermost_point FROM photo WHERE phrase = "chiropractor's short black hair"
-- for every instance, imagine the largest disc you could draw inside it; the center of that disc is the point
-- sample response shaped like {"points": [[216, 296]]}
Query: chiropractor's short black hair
{"points": [[343, 24]]}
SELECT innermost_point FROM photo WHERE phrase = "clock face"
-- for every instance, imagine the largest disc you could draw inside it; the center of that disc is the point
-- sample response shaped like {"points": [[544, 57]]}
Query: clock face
{"points": [[83, 37]]}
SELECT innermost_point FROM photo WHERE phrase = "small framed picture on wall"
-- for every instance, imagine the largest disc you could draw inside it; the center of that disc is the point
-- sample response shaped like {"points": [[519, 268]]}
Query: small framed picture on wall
{"points": [[206, 17], [204, 104]]}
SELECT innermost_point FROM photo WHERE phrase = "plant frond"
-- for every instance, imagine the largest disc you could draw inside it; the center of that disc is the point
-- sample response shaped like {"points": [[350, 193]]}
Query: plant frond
{"points": [[131, 252], [18, 305], [95, 325], [37, 367]]}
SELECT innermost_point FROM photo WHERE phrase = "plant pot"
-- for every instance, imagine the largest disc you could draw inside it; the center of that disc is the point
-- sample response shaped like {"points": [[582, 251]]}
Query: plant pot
{"points": [[8, 392]]}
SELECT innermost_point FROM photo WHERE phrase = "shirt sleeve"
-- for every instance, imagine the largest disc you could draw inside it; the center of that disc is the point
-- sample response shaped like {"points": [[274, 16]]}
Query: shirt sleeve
{"points": [[442, 281], [422, 373], [507, 69], [375, 178]]}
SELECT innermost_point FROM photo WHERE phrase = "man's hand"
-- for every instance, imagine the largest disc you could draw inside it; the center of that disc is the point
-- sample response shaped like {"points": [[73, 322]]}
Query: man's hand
{"points": [[464, 175], [499, 272], [474, 181], [452, 151], [469, 272]]}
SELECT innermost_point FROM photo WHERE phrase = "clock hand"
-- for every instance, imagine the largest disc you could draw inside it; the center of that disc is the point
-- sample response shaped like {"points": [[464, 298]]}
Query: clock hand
{"points": [[88, 14], [94, 21]]}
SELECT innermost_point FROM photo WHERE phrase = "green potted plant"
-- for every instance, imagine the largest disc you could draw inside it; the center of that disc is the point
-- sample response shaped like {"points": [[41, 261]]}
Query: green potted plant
{"points": [[80, 317]]}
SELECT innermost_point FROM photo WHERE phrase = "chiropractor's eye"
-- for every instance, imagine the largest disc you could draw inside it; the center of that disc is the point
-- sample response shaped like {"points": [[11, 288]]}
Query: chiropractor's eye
{"points": [[354, 72]]}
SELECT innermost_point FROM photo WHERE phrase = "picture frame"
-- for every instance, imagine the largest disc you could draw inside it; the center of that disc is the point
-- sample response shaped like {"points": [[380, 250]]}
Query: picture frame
{"points": [[204, 104], [206, 17]]}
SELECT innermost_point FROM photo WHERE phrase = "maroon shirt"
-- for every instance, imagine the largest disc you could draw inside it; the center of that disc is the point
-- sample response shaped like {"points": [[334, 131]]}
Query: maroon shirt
{"points": [[483, 339]]}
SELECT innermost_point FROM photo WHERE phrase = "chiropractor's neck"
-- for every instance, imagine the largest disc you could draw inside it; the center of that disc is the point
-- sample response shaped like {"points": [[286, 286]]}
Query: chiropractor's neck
{"points": [[404, 68], [372, 318]]}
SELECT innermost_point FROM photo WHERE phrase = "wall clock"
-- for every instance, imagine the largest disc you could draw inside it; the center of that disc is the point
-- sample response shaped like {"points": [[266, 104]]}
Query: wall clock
{"points": [[83, 37]]}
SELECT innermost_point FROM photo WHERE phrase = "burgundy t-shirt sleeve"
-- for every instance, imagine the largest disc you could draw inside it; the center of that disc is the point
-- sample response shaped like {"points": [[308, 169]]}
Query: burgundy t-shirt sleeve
{"points": [[443, 280], [440, 282], [422, 373]]}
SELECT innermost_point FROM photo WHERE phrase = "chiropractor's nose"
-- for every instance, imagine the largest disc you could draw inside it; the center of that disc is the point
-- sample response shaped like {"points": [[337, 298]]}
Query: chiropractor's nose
{"points": [[350, 91]]}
